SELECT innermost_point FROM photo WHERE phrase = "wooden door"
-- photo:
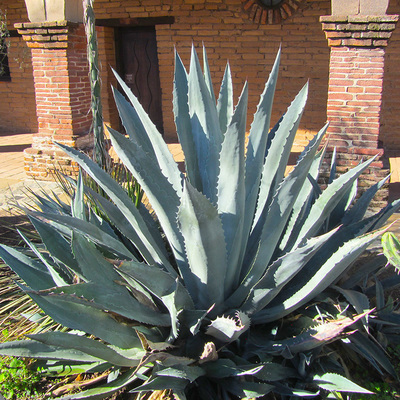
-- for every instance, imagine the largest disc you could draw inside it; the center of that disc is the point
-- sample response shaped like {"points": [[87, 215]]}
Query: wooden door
{"points": [[138, 66]]}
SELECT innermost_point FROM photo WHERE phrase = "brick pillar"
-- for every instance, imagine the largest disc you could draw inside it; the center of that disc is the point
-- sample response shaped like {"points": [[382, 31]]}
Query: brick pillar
{"points": [[62, 91], [355, 87]]}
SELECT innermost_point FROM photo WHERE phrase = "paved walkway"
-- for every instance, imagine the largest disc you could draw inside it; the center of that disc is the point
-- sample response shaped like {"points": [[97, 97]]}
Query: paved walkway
{"points": [[14, 182], [13, 179]]}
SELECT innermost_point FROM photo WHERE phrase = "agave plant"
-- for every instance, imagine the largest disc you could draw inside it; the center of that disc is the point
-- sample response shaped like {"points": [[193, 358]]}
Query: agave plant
{"points": [[227, 292]]}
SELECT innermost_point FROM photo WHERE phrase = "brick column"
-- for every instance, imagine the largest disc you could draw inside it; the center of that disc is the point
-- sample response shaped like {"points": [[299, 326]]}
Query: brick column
{"points": [[62, 91], [355, 87]]}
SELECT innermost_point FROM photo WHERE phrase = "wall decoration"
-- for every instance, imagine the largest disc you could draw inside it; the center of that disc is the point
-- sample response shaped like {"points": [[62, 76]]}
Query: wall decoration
{"points": [[270, 11]]}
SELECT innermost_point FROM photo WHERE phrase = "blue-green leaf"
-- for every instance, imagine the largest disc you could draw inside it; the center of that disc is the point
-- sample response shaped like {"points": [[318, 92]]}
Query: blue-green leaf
{"points": [[231, 190], [279, 152], [149, 250], [146, 134], [89, 346], [34, 349], [31, 271], [328, 200], [225, 100], [183, 124], [257, 144], [307, 285], [338, 383], [81, 314], [207, 74], [204, 238], [161, 194], [205, 128]]}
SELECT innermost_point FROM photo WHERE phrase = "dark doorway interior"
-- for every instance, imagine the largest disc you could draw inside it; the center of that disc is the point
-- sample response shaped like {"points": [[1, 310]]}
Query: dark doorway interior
{"points": [[138, 66]]}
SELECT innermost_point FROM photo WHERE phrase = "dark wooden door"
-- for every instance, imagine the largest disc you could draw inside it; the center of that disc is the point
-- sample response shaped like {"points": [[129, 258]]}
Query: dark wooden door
{"points": [[138, 66]]}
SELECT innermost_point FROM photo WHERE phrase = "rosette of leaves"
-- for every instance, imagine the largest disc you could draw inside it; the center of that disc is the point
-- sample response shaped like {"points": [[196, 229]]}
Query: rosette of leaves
{"points": [[224, 293]]}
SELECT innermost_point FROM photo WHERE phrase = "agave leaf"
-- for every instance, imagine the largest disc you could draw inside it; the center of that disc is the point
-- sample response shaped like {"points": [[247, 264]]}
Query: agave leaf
{"points": [[93, 265], [118, 219], [380, 295], [225, 100], [231, 189], [89, 346], [256, 147], [205, 128], [295, 392], [278, 215], [31, 271], [105, 390], [150, 251], [332, 173], [162, 196], [66, 225], [244, 389], [116, 299], [105, 279], [81, 314], [273, 372], [205, 248], [171, 293], [192, 319], [227, 329], [65, 368], [316, 336], [183, 124], [337, 214], [302, 206], [338, 383], [188, 372], [307, 285], [78, 204], [278, 274], [391, 249], [279, 151], [34, 349], [358, 300], [207, 75], [373, 352], [357, 212], [385, 214], [162, 383], [60, 277], [369, 268], [157, 281], [169, 300], [145, 133], [56, 244], [328, 201], [224, 368]]}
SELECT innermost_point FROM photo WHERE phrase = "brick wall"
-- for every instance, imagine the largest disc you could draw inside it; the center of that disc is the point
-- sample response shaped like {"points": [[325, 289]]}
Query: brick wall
{"points": [[106, 40], [60, 71], [17, 95], [229, 34]]}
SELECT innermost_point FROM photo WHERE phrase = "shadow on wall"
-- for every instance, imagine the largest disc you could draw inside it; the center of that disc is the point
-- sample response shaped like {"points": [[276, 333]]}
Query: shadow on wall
{"points": [[390, 118]]}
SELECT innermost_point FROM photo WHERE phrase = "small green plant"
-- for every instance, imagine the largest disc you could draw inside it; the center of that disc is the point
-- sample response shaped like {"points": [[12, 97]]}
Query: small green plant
{"points": [[17, 382]]}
